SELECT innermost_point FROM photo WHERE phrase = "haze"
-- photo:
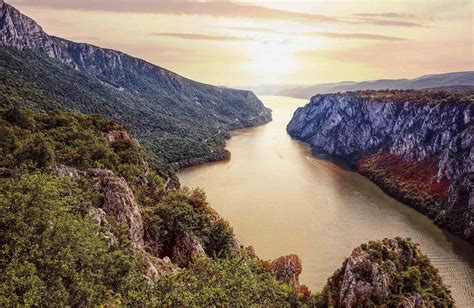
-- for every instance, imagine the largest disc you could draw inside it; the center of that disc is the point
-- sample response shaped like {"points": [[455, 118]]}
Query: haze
{"points": [[261, 42]]}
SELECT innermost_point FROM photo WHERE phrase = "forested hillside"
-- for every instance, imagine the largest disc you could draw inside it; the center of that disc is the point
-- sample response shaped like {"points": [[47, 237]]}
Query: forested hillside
{"points": [[179, 121]]}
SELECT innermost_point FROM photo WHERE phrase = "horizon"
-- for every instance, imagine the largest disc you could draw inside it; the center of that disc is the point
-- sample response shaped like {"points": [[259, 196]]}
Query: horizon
{"points": [[312, 43]]}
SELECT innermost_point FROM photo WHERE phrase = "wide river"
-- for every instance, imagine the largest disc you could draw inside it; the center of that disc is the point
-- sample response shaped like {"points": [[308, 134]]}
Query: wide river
{"points": [[281, 200]]}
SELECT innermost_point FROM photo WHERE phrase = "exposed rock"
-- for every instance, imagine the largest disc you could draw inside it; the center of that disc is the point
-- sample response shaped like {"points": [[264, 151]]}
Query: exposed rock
{"points": [[288, 269], [185, 249], [414, 301], [156, 268], [379, 274], [117, 135], [120, 203], [352, 126], [353, 289], [65, 171], [100, 216]]}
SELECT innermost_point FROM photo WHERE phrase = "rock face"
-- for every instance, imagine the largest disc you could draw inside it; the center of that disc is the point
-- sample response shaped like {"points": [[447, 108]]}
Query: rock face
{"points": [[353, 126], [117, 135], [185, 249], [118, 201], [386, 273]]}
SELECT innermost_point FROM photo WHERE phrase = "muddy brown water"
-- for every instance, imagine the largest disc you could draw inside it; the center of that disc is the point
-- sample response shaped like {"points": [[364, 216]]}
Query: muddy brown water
{"points": [[281, 200]]}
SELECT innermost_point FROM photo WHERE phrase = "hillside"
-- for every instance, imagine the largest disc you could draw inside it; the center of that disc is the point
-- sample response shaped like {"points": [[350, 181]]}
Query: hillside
{"points": [[415, 144], [180, 121], [423, 82]]}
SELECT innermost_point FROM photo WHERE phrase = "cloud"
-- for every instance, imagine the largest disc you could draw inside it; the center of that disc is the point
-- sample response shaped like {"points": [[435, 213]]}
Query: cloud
{"points": [[333, 35], [218, 9], [214, 8], [360, 36], [206, 37], [255, 29], [387, 15], [385, 22]]}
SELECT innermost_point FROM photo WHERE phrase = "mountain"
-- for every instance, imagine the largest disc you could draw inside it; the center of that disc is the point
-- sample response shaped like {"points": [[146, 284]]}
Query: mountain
{"points": [[415, 144], [180, 121], [423, 82]]}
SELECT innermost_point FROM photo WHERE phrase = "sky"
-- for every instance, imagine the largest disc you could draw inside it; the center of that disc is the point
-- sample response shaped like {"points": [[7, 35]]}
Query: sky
{"points": [[249, 43]]}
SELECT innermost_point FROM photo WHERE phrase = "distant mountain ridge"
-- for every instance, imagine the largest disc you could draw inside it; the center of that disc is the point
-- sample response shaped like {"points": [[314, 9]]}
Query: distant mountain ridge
{"points": [[423, 82], [183, 120]]}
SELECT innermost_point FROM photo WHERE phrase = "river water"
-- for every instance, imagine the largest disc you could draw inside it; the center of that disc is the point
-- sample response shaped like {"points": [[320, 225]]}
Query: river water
{"points": [[281, 200]]}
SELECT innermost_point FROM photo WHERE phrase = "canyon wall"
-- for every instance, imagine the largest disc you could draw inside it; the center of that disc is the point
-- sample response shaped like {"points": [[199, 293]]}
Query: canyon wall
{"points": [[416, 145]]}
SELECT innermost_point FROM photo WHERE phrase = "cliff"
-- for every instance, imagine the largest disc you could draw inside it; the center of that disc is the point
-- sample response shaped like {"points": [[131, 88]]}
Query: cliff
{"points": [[417, 145], [392, 273], [44, 72]]}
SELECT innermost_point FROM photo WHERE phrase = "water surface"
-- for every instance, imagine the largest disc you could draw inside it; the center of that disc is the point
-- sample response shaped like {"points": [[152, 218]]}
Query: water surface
{"points": [[281, 200]]}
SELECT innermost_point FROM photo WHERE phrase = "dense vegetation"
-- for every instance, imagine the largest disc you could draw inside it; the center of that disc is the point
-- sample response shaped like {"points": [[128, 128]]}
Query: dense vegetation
{"points": [[447, 95], [411, 181], [53, 252], [173, 132]]}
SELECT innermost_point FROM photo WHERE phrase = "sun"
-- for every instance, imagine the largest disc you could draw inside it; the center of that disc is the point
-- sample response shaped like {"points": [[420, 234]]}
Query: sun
{"points": [[271, 63]]}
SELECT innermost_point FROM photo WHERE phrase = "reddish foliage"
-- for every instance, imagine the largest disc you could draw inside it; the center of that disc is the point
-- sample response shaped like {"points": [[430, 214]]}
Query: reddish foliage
{"points": [[415, 177], [287, 269]]}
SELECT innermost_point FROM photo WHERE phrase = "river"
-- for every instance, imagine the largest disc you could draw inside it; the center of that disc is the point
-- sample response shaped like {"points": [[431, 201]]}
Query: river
{"points": [[281, 200]]}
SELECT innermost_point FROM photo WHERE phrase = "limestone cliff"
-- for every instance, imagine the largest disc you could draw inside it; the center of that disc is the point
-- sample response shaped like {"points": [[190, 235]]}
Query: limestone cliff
{"points": [[417, 145], [391, 273]]}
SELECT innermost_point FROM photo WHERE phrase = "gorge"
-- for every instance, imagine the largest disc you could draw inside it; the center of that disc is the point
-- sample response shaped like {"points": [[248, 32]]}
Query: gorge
{"points": [[312, 207], [416, 144], [92, 212]]}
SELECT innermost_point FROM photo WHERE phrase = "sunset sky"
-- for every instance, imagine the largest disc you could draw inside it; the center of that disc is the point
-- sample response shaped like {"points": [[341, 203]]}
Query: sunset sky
{"points": [[268, 42]]}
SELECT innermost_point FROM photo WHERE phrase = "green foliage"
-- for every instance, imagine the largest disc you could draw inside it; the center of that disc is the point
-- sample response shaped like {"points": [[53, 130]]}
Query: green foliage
{"points": [[49, 253], [187, 212], [73, 140], [239, 280], [171, 121]]}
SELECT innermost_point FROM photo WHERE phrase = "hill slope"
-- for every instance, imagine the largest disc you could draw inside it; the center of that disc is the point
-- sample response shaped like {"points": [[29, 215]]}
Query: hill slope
{"points": [[181, 121], [423, 82]]}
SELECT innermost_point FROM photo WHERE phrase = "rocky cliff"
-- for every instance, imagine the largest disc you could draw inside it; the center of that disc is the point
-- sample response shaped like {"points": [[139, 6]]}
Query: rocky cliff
{"points": [[391, 273], [159, 106], [417, 145]]}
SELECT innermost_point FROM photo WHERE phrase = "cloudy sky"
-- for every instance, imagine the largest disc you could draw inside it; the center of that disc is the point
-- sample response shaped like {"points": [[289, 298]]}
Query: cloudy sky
{"points": [[271, 42]]}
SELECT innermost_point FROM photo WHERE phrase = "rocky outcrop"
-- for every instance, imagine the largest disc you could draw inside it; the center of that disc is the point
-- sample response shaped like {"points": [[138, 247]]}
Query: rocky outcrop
{"points": [[288, 269], [411, 126], [118, 135], [119, 202], [386, 273], [100, 217], [185, 249]]}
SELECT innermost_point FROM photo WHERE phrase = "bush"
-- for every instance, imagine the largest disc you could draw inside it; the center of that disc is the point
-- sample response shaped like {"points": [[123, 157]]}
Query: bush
{"points": [[49, 253]]}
